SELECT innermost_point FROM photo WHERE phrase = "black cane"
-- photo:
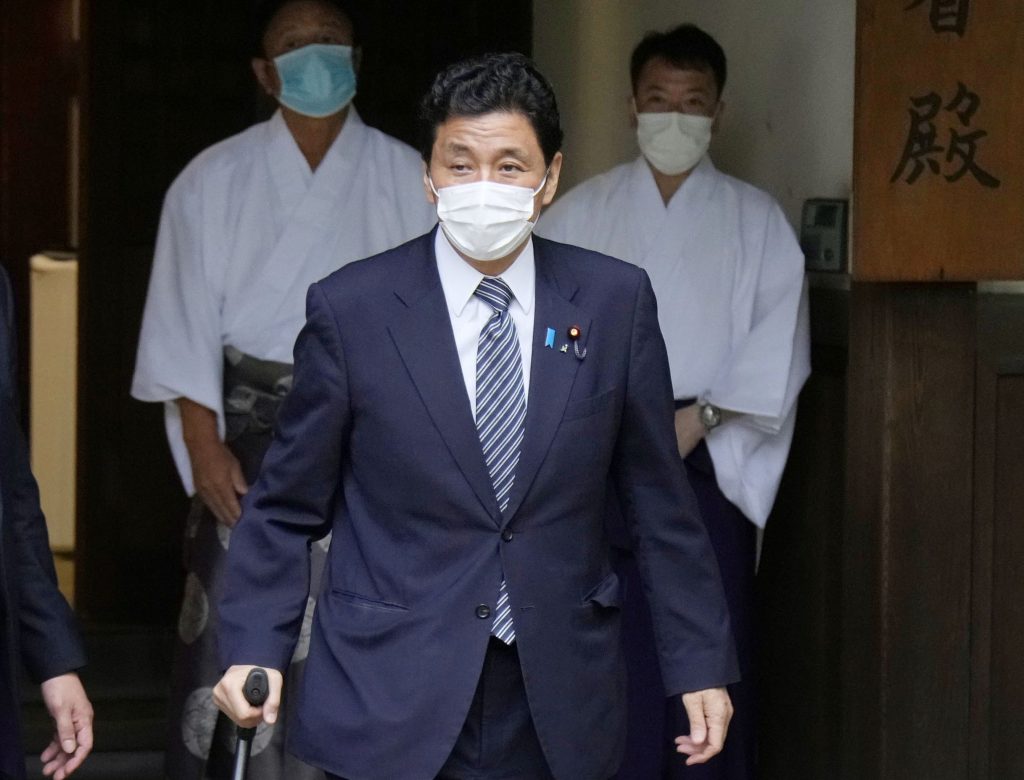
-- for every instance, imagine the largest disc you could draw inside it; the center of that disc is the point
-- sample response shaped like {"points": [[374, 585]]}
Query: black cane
{"points": [[256, 689]]}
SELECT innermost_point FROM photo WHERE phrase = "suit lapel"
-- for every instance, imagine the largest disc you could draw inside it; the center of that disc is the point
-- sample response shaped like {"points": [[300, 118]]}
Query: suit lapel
{"points": [[552, 372], [422, 332]]}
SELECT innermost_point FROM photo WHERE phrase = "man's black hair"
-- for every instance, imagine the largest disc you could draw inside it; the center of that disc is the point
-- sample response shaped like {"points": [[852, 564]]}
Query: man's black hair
{"points": [[492, 82], [266, 10], [686, 47]]}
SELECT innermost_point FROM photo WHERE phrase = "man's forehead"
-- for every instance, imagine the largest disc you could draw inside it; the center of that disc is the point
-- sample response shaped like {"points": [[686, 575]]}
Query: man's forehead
{"points": [[298, 12], [510, 131], [660, 72]]}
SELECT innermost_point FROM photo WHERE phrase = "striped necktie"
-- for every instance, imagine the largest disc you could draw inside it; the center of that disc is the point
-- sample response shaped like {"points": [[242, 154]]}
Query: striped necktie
{"points": [[500, 412]]}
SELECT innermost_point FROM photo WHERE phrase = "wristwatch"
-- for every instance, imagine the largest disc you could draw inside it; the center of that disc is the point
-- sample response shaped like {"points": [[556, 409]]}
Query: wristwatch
{"points": [[710, 416]]}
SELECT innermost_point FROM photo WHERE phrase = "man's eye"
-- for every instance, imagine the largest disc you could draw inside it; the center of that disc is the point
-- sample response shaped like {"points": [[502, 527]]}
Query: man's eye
{"points": [[511, 168]]}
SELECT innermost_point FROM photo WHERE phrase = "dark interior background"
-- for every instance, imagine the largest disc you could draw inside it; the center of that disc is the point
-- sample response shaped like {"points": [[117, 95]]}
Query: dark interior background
{"points": [[165, 80]]}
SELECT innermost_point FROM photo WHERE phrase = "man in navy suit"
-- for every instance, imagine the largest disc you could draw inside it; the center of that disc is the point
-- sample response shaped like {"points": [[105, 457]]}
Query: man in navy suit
{"points": [[460, 404], [37, 626]]}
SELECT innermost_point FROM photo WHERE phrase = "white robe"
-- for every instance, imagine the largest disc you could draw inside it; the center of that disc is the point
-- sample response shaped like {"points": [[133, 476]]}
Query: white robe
{"points": [[729, 277], [245, 229]]}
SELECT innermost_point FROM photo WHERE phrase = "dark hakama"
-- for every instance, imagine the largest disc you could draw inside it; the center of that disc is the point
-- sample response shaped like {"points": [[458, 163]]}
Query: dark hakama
{"points": [[202, 740], [655, 721]]}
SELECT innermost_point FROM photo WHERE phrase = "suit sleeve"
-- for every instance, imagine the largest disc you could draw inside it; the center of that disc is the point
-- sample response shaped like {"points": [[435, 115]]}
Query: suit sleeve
{"points": [[677, 565], [267, 575], [50, 645]]}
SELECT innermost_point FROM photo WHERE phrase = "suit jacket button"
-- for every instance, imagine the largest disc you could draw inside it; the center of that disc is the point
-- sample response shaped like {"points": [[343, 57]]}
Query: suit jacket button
{"points": [[506, 535], [483, 612]]}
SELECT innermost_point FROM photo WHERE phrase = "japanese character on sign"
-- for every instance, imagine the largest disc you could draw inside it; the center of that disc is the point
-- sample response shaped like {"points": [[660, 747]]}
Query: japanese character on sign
{"points": [[922, 152], [946, 15]]}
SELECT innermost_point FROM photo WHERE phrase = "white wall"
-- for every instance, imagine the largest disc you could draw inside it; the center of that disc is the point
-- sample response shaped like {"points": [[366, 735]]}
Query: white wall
{"points": [[788, 123]]}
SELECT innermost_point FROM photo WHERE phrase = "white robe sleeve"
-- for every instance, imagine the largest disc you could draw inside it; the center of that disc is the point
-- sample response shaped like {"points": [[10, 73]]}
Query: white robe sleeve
{"points": [[750, 453], [180, 351], [767, 369], [766, 366]]}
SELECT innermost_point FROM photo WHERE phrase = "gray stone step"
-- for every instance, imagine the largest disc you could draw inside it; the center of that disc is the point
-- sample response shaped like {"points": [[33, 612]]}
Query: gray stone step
{"points": [[111, 766], [126, 680]]}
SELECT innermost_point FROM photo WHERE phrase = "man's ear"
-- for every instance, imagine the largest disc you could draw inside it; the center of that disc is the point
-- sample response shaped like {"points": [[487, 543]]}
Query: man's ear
{"points": [[631, 109], [357, 58], [718, 117], [266, 75], [427, 188], [551, 185]]}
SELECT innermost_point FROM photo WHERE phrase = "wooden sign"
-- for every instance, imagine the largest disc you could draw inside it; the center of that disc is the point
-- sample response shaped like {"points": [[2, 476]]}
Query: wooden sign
{"points": [[939, 140]]}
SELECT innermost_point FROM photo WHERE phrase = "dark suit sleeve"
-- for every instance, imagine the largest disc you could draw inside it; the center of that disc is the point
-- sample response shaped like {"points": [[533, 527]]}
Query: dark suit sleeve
{"points": [[677, 564], [292, 503], [49, 640]]}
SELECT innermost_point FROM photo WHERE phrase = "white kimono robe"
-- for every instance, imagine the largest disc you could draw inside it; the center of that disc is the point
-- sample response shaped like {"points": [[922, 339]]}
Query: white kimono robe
{"points": [[729, 277], [245, 229]]}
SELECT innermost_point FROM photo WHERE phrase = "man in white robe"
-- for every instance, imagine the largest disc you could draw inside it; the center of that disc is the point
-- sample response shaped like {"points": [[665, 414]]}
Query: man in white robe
{"points": [[728, 275], [246, 228]]}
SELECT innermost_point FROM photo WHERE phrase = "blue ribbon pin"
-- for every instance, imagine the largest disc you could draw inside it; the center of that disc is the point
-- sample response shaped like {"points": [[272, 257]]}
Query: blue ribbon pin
{"points": [[549, 339]]}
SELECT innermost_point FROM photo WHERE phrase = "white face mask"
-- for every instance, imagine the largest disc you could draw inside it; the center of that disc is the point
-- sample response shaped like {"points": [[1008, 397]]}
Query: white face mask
{"points": [[673, 142], [486, 220]]}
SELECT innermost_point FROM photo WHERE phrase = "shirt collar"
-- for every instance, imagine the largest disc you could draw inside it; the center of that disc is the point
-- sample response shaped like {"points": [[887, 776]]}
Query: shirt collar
{"points": [[459, 279]]}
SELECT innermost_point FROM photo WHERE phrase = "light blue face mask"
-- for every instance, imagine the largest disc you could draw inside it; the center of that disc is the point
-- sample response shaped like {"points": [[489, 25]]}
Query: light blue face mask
{"points": [[317, 80]]}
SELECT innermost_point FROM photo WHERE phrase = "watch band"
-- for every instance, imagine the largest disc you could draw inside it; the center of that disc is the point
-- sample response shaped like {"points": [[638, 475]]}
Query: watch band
{"points": [[710, 416]]}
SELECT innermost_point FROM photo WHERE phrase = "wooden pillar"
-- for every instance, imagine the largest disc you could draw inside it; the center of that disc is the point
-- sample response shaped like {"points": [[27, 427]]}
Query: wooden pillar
{"points": [[997, 620], [908, 532], [938, 187], [800, 583]]}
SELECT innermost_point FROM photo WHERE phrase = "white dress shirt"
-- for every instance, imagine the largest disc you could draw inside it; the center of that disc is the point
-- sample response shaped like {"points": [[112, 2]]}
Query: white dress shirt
{"points": [[469, 314]]}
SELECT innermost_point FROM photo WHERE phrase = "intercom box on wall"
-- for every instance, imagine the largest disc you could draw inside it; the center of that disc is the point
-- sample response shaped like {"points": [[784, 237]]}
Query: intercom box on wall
{"points": [[823, 234]]}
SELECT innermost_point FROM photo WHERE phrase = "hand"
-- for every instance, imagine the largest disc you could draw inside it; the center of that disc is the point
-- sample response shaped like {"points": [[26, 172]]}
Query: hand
{"points": [[709, 712], [689, 429], [71, 711], [230, 699], [218, 479], [216, 473]]}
